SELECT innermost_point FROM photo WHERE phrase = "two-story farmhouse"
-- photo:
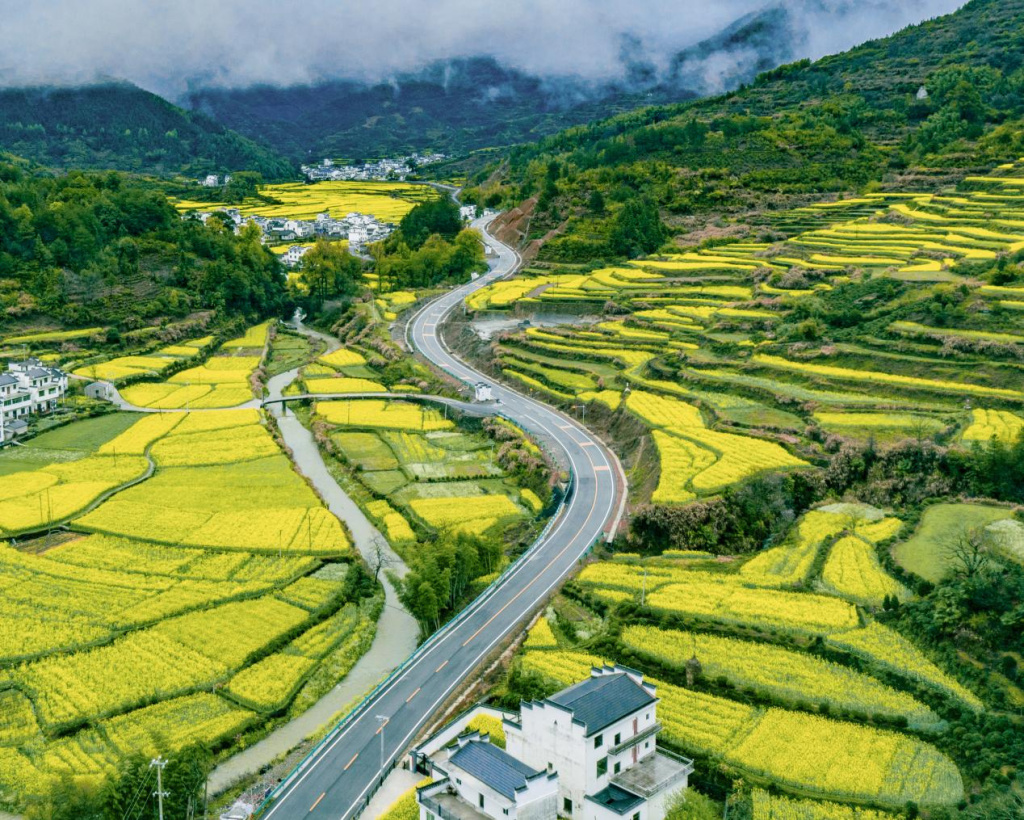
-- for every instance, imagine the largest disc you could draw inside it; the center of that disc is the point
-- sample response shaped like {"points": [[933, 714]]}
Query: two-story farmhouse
{"points": [[592, 746], [28, 387]]}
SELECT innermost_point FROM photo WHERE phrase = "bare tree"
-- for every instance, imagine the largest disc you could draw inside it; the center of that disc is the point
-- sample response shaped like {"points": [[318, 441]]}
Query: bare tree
{"points": [[968, 553], [379, 558]]}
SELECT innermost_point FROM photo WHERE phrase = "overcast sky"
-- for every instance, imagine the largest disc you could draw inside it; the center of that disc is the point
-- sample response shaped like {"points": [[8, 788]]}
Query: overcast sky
{"points": [[166, 45]]}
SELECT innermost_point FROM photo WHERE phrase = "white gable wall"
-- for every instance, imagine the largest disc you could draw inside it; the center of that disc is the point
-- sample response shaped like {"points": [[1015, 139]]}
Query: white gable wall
{"points": [[549, 739]]}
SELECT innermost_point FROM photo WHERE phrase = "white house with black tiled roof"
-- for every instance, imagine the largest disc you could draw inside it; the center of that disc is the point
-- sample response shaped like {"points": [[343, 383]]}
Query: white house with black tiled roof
{"points": [[600, 735], [596, 742], [28, 387], [480, 781]]}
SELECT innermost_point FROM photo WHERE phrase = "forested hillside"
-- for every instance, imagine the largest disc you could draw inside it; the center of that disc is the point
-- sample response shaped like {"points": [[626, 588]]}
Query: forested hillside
{"points": [[91, 248], [456, 107], [117, 125], [919, 108]]}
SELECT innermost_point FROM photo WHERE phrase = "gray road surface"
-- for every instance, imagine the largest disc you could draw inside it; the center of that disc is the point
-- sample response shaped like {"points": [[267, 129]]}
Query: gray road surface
{"points": [[336, 781]]}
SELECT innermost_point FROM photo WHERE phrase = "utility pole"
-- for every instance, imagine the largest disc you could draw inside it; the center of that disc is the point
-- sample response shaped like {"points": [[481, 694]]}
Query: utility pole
{"points": [[159, 793]]}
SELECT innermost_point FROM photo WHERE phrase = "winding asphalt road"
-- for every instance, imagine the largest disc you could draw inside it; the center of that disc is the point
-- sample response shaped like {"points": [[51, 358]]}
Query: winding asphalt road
{"points": [[336, 781]]}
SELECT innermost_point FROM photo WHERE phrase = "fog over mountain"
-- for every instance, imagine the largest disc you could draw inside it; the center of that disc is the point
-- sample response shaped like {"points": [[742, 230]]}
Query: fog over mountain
{"points": [[174, 46]]}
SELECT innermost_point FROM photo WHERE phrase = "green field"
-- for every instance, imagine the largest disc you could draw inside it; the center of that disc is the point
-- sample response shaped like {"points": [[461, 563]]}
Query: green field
{"points": [[423, 468], [929, 552]]}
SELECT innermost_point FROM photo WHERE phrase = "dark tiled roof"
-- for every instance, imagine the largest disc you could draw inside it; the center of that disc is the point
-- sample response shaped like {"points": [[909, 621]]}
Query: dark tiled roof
{"points": [[602, 700], [6, 379], [617, 800], [493, 766]]}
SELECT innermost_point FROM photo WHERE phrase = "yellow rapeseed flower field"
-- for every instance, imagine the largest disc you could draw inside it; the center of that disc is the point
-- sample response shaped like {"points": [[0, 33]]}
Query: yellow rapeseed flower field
{"points": [[780, 672], [33, 500], [343, 357], [852, 569], [461, 514], [994, 424], [768, 806], [849, 374], [696, 460], [382, 414], [885, 646]]}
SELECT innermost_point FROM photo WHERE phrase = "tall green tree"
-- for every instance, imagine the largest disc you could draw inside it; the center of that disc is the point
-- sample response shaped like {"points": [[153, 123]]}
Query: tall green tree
{"points": [[638, 228], [439, 217], [329, 270]]}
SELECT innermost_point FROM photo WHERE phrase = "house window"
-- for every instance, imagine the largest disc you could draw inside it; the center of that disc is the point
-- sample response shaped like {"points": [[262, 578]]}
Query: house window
{"points": [[618, 738], [505, 812], [647, 745], [567, 805], [636, 816], [647, 716], [598, 741], [602, 767], [458, 780], [481, 801], [618, 768]]}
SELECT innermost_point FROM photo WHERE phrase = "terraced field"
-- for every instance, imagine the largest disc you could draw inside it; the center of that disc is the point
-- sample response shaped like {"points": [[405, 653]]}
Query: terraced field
{"points": [[763, 697], [419, 474], [731, 330], [194, 606], [155, 363], [222, 381]]}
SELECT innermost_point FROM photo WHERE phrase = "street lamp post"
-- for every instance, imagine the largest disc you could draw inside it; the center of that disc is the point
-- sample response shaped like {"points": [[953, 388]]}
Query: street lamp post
{"points": [[383, 722]]}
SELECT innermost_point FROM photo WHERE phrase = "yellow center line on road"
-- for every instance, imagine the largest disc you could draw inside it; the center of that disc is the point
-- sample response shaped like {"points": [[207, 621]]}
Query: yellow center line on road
{"points": [[381, 727], [353, 760], [413, 694], [317, 803], [442, 666]]}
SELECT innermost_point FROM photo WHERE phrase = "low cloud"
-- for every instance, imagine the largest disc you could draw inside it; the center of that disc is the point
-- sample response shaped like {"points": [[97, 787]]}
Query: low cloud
{"points": [[170, 46]]}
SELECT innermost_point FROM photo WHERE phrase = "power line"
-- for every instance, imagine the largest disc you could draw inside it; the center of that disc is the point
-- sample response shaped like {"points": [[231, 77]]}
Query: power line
{"points": [[138, 793]]}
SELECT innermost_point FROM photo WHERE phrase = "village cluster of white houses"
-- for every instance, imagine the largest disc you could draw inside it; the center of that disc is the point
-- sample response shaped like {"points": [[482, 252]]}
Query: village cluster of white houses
{"points": [[398, 168], [358, 229], [589, 752], [215, 181], [27, 388]]}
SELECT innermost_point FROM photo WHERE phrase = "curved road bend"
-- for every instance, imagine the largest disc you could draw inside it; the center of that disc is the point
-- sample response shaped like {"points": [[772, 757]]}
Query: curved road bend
{"points": [[337, 780]]}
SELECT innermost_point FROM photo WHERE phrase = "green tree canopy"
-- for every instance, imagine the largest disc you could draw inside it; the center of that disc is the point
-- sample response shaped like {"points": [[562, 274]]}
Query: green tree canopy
{"points": [[329, 270], [638, 228], [439, 216]]}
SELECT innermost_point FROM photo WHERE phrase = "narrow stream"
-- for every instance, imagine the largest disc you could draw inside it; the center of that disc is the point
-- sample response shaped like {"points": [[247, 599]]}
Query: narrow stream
{"points": [[397, 630]]}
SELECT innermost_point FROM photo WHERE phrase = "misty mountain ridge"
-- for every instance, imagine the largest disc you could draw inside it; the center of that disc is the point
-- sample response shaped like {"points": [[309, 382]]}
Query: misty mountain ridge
{"points": [[457, 104], [116, 125], [464, 104]]}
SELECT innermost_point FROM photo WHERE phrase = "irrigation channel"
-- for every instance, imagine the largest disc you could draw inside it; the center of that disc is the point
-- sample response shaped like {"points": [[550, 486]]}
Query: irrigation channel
{"points": [[339, 777], [396, 629], [394, 668]]}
